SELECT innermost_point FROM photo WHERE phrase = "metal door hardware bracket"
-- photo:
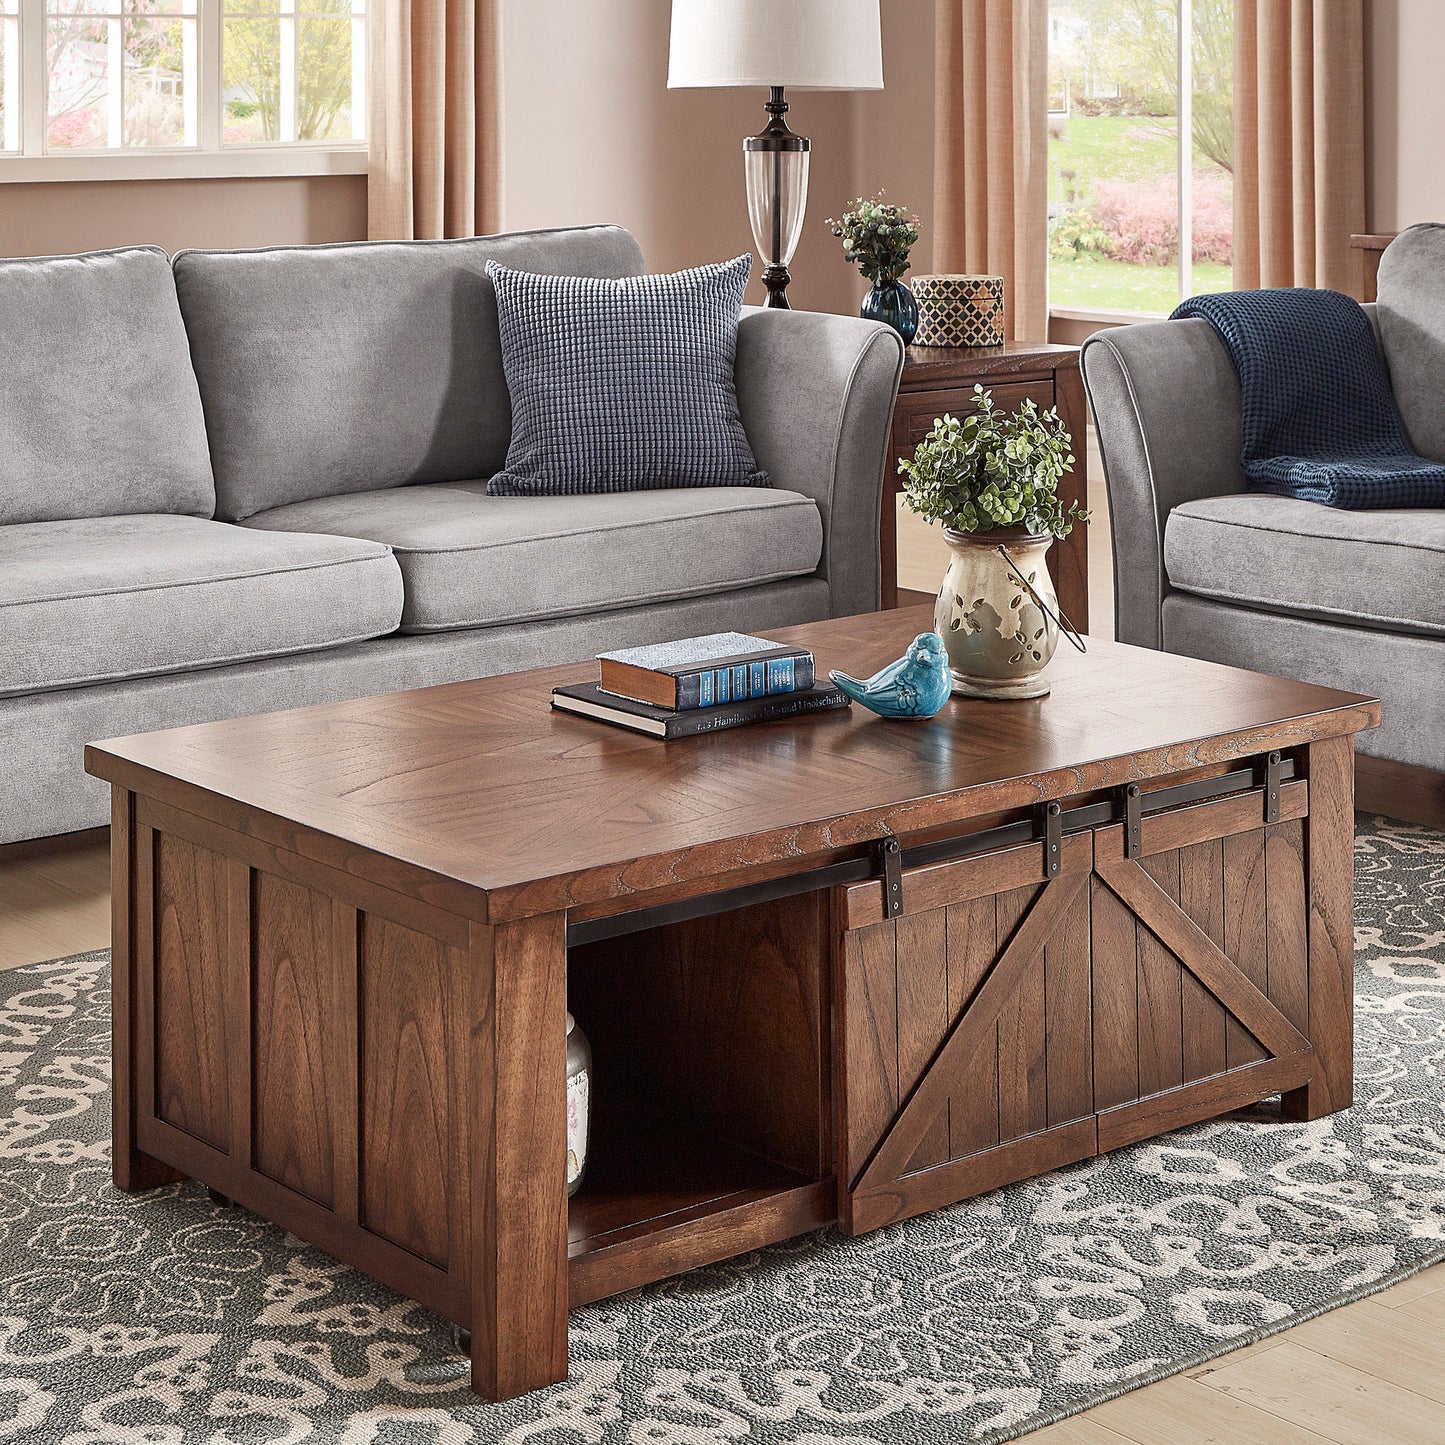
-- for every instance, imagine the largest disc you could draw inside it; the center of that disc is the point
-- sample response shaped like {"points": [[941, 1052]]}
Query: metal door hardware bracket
{"points": [[1271, 788], [1133, 821], [1053, 839], [885, 858], [892, 859]]}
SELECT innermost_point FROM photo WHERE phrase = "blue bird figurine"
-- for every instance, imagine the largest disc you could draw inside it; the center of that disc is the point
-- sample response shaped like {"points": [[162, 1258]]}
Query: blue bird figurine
{"points": [[917, 685]]}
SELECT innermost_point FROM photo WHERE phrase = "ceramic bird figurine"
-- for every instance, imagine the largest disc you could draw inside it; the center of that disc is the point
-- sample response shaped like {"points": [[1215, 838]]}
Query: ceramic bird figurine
{"points": [[917, 685]]}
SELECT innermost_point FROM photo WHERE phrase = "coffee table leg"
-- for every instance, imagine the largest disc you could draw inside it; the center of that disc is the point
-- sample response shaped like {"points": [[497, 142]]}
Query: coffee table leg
{"points": [[1330, 865], [518, 1061], [133, 1171]]}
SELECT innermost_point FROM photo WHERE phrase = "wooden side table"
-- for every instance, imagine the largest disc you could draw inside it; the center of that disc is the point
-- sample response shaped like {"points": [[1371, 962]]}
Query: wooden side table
{"points": [[938, 379]]}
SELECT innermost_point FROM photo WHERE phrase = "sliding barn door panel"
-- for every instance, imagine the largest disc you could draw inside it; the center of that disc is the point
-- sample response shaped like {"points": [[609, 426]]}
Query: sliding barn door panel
{"points": [[984, 1036]]}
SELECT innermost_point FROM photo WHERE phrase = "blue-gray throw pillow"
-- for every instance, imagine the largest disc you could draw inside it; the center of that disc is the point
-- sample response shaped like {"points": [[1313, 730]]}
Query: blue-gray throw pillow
{"points": [[622, 386]]}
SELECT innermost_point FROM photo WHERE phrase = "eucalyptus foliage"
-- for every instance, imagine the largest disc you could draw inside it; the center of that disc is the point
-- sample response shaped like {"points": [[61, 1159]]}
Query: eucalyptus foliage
{"points": [[994, 469], [877, 237]]}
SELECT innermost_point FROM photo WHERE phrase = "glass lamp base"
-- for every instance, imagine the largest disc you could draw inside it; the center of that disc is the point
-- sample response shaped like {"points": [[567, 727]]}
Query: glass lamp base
{"points": [[775, 169]]}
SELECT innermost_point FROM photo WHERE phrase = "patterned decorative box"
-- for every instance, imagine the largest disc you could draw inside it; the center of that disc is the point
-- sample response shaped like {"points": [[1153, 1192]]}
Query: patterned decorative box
{"points": [[959, 310]]}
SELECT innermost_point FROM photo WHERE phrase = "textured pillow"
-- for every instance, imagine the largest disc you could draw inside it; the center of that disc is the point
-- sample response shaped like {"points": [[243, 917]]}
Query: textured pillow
{"points": [[622, 386]]}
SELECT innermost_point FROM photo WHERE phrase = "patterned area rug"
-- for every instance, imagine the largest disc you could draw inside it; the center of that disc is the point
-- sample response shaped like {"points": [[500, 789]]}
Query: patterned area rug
{"points": [[166, 1319]]}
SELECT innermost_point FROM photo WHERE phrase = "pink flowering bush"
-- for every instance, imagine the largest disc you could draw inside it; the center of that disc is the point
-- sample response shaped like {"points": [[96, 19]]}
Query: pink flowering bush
{"points": [[1141, 220], [76, 130]]}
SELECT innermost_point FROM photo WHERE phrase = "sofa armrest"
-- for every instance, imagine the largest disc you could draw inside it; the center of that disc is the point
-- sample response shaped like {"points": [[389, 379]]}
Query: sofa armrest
{"points": [[816, 393], [1167, 411]]}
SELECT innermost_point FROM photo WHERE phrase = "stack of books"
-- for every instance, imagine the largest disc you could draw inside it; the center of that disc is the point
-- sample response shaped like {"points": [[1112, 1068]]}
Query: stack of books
{"points": [[701, 685]]}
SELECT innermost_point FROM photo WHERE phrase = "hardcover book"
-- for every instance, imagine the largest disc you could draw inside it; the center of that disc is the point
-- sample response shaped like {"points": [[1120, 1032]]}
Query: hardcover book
{"points": [[699, 672], [589, 699]]}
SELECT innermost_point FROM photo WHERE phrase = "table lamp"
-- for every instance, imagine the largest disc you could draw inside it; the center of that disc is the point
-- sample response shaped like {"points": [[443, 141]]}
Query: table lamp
{"points": [[774, 44]]}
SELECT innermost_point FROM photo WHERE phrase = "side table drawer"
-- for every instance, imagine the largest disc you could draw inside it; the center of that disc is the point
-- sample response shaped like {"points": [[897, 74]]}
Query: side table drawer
{"points": [[1008, 1023]]}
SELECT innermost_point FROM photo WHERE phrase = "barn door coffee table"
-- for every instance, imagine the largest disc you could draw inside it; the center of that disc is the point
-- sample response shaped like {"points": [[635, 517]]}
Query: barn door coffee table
{"points": [[837, 969]]}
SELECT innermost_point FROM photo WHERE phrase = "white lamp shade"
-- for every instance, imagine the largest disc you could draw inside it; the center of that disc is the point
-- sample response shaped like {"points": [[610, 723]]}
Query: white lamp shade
{"points": [[802, 44]]}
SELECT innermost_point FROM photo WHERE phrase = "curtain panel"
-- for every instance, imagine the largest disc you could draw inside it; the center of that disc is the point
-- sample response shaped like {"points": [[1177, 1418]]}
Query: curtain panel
{"points": [[990, 169], [435, 120], [1299, 143]]}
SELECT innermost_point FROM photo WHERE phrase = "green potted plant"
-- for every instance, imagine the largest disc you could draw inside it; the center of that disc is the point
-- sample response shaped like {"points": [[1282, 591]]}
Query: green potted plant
{"points": [[877, 238], [991, 479]]}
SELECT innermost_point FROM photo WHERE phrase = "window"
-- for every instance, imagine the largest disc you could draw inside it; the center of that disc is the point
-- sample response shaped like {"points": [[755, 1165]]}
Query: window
{"points": [[110, 86], [1141, 130]]}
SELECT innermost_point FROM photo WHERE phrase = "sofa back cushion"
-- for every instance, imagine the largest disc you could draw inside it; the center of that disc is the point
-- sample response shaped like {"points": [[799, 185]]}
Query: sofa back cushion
{"points": [[333, 369], [99, 415], [1411, 319]]}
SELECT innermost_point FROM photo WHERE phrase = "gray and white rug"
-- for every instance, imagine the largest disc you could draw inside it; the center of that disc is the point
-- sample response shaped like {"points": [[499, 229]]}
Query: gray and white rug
{"points": [[165, 1319]]}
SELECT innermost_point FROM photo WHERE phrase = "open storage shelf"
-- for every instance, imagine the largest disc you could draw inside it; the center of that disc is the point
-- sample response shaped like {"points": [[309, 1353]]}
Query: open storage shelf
{"points": [[658, 1192], [712, 1107]]}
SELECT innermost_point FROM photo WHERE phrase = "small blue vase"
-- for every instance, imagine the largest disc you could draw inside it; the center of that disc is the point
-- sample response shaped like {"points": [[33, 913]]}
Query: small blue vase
{"points": [[893, 303]]}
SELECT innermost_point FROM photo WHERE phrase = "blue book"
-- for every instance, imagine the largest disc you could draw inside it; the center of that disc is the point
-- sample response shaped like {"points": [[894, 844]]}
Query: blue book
{"points": [[699, 672]]}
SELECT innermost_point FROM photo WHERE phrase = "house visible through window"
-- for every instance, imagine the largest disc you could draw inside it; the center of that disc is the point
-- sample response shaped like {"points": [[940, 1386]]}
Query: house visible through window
{"points": [[1141, 152], [138, 76]]}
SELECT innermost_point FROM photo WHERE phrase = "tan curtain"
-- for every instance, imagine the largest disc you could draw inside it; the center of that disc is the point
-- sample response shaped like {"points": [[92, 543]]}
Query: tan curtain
{"points": [[435, 119], [990, 166], [1299, 143]]}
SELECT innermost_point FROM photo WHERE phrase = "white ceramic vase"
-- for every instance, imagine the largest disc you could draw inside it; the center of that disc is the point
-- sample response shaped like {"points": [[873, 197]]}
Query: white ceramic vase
{"points": [[999, 639]]}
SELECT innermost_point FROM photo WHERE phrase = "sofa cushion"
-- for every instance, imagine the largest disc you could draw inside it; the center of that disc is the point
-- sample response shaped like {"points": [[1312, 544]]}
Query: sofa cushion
{"points": [[1383, 570], [1410, 314], [470, 560], [100, 414], [348, 368], [99, 599]]}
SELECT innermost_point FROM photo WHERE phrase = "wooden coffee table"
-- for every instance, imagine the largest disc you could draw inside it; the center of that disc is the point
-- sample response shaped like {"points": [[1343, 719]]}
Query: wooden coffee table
{"points": [[838, 969]]}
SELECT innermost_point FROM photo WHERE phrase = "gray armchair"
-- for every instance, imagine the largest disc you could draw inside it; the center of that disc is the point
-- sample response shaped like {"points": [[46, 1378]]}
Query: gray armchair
{"points": [[1354, 600]]}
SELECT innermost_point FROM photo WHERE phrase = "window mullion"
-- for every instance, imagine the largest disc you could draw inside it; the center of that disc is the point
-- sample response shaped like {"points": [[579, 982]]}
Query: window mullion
{"points": [[32, 77], [1185, 186], [209, 82]]}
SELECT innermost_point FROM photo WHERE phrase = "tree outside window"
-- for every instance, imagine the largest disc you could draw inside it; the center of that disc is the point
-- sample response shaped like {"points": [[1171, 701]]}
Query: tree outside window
{"points": [[292, 71], [1120, 220]]}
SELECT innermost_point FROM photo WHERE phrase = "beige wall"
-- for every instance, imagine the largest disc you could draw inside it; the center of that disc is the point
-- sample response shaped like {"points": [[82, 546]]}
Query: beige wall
{"points": [[55, 218], [1406, 113], [593, 134], [893, 127]]}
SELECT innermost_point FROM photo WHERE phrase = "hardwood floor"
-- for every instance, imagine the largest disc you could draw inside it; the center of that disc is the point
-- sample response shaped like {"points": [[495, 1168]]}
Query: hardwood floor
{"points": [[54, 900], [1370, 1372]]}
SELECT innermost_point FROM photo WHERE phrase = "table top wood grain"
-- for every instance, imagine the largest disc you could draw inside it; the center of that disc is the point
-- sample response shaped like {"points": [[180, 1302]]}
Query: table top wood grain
{"points": [[480, 786]]}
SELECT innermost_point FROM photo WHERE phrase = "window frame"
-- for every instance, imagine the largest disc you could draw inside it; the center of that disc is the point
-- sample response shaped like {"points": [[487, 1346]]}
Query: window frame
{"points": [[208, 158]]}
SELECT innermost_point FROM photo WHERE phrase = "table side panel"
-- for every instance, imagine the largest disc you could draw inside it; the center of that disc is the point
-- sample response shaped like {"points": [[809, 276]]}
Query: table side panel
{"points": [[293, 1045], [299, 1054], [189, 926]]}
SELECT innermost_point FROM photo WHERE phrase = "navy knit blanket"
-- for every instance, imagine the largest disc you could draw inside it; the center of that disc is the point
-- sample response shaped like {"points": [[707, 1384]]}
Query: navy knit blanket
{"points": [[1320, 420]]}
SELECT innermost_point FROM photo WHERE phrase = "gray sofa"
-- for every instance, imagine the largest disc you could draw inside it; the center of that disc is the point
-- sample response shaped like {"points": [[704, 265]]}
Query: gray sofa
{"points": [[1349, 599], [242, 481]]}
